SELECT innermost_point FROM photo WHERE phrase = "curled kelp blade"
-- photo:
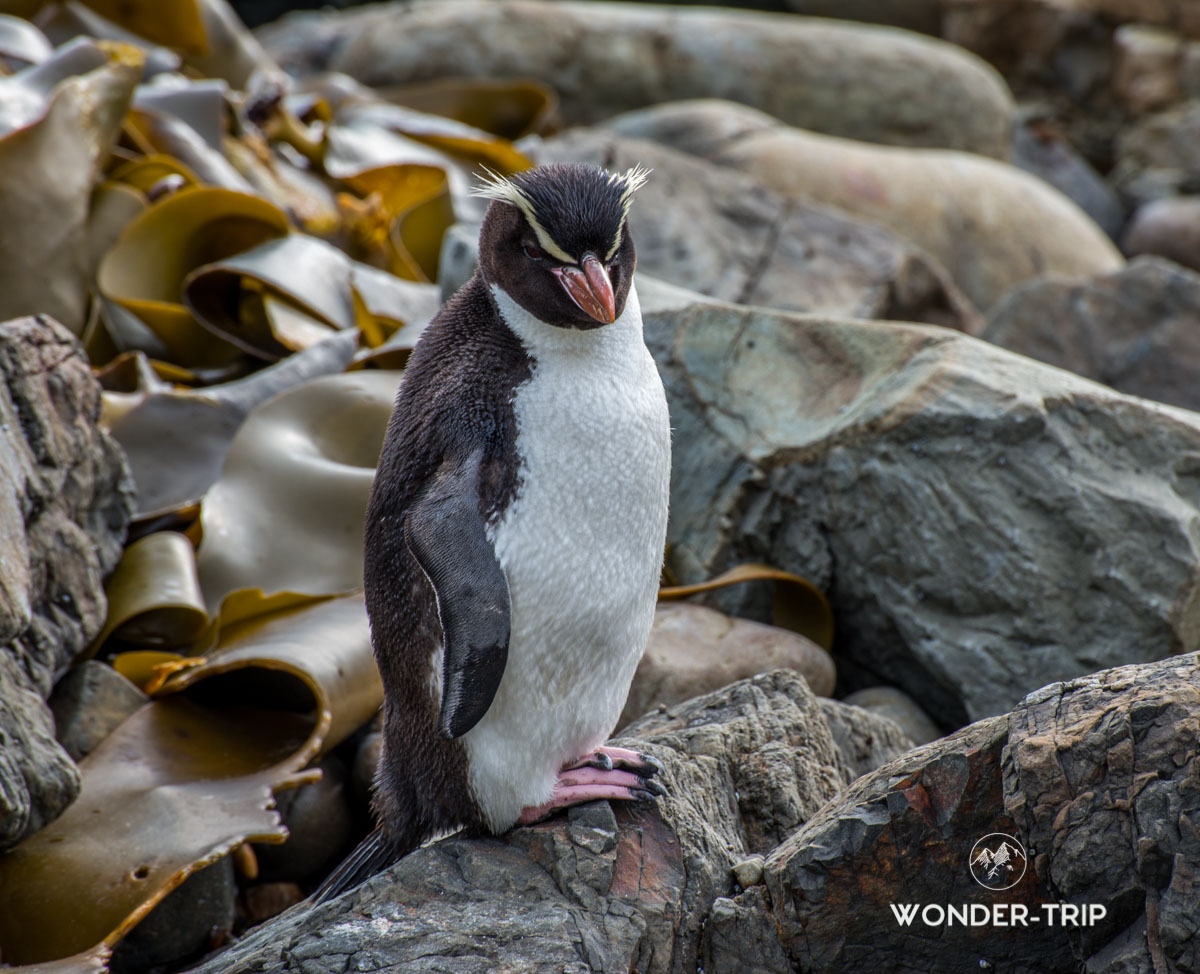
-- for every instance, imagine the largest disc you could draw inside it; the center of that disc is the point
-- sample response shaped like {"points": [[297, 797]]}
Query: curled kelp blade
{"points": [[401, 309], [154, 597], [189, 777], [145, 270], [510, 109], [21, 42], [312, 275], [171, 23], [56, 129], [176, 439], [287, 512], [798, 604]]}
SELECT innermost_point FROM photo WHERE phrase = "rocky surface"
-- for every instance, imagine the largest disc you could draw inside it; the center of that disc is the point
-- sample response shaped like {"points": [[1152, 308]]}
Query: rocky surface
{"points": [[853, 80], [88, 703], [694, 649], [63, 513], [983, 524], [744, 866], [722, 233], [991, 225], [1168, 227], [602, 888], [900, 708], [1137, 330], [1159, 155]]}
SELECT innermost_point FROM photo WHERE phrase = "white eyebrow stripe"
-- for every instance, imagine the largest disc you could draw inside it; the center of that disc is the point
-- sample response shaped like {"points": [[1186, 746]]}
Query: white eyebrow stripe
{"points": [[496, 187]]}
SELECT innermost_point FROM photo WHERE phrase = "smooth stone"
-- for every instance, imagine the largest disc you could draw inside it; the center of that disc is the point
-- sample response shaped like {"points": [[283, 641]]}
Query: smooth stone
{"points": [[1168, 227], [366, 760], [719, 232], [89, 703], [899, 707], [989, 224], [856, 80], [749, 872], [1148, 67], [320, 826], [193, 919], [266, 900], [1159, 155], [694, 649]]}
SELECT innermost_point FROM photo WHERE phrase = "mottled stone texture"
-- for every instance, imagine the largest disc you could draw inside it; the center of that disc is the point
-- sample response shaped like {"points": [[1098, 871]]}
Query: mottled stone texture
{"points": [[603, 888], [65, 501]]}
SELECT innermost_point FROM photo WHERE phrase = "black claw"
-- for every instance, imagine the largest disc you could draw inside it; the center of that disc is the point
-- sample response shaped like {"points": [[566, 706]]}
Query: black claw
{"points": [[601, 761], [641, 795], [652, 786], [644, 767]]}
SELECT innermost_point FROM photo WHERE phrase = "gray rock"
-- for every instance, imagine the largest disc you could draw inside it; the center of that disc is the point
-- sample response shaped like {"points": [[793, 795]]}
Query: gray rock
{"points": [[1092, 780], [863, 82], [320, 826], [193, 919], [1148, 67], [899, 707], [1168, 227], [722, 233], [866, 738], [1042, 149], [1160, 155], [89, 703], [63, 512], [1137, 330], [996, 524], [602, 888]]}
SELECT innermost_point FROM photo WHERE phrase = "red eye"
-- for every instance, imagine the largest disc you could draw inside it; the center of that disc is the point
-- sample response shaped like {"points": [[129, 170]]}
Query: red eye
{"points": [[531, 251]]}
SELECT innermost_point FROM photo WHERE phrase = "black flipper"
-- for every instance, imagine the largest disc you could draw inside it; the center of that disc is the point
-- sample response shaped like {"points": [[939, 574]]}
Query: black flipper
{"points": [[445, 531], [370, 856]]}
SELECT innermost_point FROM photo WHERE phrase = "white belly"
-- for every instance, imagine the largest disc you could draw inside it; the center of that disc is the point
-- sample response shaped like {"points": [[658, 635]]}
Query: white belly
{"points": [[581, 545]]}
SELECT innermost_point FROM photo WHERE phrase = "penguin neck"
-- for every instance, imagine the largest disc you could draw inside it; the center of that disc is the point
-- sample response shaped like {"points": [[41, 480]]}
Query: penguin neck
{"points": [[543, 340]]}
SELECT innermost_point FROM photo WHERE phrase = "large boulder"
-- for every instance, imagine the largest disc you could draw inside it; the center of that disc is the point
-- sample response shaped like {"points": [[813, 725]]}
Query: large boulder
{"points": [[1137, 330], [602, 888], [64, 506], [723, 233], [983, 524], [991, 225], [855, 80]]}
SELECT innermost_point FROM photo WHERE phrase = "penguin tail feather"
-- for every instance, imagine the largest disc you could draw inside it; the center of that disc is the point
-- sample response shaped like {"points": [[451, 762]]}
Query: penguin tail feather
{"points": [[374, 854]]}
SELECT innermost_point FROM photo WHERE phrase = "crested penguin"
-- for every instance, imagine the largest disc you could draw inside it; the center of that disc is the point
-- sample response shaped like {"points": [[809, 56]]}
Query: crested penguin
{"points": [[515, 530]]}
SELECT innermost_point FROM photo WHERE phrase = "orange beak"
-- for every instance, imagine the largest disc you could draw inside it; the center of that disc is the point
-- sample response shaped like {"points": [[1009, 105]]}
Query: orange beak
{"points": [[589, 287]]}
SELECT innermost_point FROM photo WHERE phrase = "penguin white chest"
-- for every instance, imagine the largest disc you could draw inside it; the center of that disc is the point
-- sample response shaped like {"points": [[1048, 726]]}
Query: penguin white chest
{"points": [[581, 545]]}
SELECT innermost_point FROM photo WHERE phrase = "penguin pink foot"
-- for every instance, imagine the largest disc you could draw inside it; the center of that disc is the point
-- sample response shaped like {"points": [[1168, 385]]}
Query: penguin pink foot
{"points": [[585, 782]]}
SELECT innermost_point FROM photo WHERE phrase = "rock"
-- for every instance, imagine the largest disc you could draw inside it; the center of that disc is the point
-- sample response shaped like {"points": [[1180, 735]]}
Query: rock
{"points": [[63, 514], [694, 649], [1040, 148], [897, 706], [924, 16], [320, 826], [862, 82], [989, 224], [266, 900], [1149, 63], [865, 738], [994, 523], [716, 231], [89, 703], [749, 872], [603, 888], [366, 760], [1137, 330], [1168, 227], [1160, 155], [192, 920], [1093, 781]]}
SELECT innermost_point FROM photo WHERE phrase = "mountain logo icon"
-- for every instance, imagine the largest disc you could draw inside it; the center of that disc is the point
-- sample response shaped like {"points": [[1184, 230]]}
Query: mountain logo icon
{"points": [[998, 861]]}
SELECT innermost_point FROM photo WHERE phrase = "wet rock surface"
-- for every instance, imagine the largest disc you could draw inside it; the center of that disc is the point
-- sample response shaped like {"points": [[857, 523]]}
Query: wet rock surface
{"points": [[63, 513], [854, 80], [1168, 227], [90, 702]]}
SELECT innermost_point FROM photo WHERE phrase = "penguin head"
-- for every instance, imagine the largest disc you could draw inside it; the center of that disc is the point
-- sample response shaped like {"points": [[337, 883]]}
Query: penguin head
{"points": [[556, 240]]}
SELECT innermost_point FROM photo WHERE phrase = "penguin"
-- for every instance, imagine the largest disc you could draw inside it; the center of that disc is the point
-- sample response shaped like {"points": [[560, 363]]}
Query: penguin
{"points": [[515, 528]]}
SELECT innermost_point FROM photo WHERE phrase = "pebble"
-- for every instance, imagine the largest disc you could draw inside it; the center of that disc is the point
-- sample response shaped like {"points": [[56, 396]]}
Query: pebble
{"points": [[88, 703]]}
